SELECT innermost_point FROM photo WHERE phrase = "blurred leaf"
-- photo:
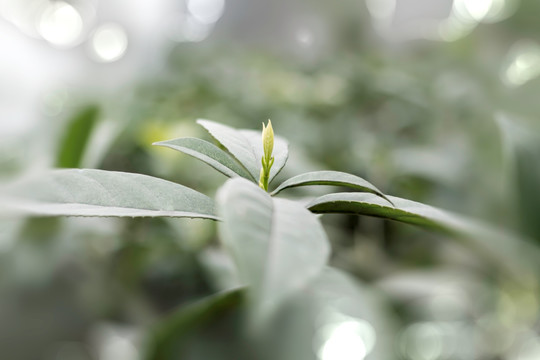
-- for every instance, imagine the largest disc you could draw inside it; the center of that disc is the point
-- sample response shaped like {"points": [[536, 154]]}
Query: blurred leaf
{"points": [[173, 337], [209, 153], [335, 315], [527, 167], [76, 136], [335, 178], [246, 147], [522, 144], [278, 246], [86, 192]]}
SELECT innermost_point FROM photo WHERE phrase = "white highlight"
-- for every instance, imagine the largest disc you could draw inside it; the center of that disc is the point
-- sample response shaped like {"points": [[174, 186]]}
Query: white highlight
{"points": [[304, 37], [206, 11], [109, 42], [524, 64], [352, 339], [60, 24], [381, 9], [483, 10]]}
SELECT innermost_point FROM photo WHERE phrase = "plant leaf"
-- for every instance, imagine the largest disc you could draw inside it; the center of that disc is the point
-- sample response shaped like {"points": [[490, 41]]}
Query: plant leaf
{"points": [[235, 143], [501, 249], [280, 153], [335, 178], [277, 245], [76, 137], [368, 204], [209, 153], [246, 147], [172, 338], [87, 192]]}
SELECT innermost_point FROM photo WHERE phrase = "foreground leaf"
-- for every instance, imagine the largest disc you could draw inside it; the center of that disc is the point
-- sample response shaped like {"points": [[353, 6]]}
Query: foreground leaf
{"points": [[335, 178], [174, 337], [209, 153], [277, 245], [335, 317], [76, 192], [246, 147]]}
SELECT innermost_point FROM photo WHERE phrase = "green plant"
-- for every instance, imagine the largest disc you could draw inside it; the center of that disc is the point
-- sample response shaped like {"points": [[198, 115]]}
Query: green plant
{"points": [[278, 245]]}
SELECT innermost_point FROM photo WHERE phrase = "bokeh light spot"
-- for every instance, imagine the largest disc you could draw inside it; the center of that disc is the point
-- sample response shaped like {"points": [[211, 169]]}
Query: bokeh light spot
{"points": [[60, 24], [206, 11], [381, 9], [422, 341], [351, 339], [109, 42], [524, 64]]}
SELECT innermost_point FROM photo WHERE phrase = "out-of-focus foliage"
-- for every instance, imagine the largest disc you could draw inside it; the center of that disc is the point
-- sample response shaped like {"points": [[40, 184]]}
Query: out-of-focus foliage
{"points": [[416, 119]]}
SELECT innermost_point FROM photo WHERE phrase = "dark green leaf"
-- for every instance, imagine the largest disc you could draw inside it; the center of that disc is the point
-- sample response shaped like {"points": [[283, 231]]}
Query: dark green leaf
{"points": [[173, 337], [76, 137], [209, 153]]}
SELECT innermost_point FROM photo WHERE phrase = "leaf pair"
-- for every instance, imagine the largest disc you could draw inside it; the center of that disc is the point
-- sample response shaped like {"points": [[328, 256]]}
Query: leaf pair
{"points": [[243, 150]]}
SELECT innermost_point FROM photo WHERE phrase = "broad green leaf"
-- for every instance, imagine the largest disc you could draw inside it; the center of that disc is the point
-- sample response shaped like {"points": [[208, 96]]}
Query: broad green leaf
{"points": [[334, 178], [76, 137], [403, 210], [246, 147], [209, 153], [174, 337], [86, 192], [235, 143], [497, 247], [280, 153], [277, 245]]}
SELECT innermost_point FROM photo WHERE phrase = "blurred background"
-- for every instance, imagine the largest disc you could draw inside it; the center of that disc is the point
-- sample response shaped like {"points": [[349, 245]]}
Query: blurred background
{"points": [[431, 100]]}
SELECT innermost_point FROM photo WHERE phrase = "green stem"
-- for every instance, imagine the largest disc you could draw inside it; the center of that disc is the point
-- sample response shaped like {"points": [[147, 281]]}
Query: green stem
{"points": [[265, 173]]}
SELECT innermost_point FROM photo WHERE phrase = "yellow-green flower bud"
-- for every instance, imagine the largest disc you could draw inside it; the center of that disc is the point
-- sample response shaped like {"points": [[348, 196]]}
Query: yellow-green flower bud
{"points": [[268, 141]]}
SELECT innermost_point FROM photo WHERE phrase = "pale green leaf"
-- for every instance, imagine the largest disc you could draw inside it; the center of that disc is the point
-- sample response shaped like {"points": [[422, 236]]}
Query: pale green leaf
{"points": [[498, 247], [209, 153], [334, 178], [277, 245], [236, 143], [280, 153], [403, 210], [246, 147], [86, 192]]}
